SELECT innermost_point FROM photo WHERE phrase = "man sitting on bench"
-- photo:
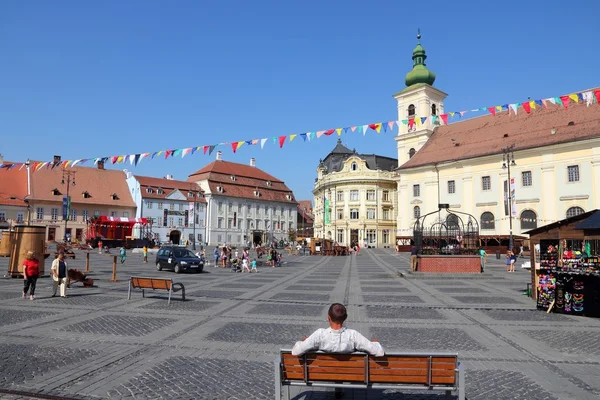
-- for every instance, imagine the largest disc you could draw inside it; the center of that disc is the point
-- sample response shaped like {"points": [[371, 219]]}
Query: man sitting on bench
{"points": [[337, 338]]}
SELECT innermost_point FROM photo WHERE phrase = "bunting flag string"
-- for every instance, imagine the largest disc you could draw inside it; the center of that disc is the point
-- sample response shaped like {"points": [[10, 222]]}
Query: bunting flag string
{"points": [[587, 97]]}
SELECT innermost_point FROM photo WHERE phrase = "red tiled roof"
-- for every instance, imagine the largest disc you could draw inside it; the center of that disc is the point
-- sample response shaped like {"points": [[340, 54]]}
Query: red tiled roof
{"points": [[168, 186], [13, 183], [302, 204], [240, 180], [99, 183], [486, 135]]}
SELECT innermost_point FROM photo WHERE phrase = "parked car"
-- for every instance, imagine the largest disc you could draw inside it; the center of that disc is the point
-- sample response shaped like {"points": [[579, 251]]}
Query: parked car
{"points": [[178, 259]]}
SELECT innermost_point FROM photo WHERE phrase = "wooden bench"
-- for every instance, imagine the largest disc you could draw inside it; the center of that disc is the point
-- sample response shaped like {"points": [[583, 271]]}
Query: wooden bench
{"points": [[407, 371], [137, 282]]}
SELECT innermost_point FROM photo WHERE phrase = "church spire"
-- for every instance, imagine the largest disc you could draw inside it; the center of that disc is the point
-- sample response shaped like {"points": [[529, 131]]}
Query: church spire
{"points": [[419, 73]]}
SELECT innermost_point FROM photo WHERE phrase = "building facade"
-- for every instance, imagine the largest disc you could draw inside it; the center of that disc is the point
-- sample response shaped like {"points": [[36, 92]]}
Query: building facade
{"points": [[14, 195], [245, 204], [553, 154], [175, 210], [355, 198], [306, 219], [91, 191]]}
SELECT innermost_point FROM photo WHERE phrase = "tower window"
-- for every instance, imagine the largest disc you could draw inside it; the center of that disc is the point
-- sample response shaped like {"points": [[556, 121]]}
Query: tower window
{"points": [[411, 111], [433, 109], [354, 166], [411, 153]]}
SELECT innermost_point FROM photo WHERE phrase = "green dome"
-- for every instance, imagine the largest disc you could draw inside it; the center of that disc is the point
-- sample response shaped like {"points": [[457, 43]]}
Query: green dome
{"points": [[419, 73]]}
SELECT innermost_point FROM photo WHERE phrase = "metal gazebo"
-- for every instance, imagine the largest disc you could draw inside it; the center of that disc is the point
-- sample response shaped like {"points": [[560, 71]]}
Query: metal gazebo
{"points": [[446, 231]]}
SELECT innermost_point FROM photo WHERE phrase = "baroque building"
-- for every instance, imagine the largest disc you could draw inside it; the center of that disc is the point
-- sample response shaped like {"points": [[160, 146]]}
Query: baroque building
{"points": [[355, 198], [554, 175]]}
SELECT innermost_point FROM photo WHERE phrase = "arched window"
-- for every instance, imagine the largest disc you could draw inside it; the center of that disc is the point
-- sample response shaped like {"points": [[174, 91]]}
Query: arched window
{"points": [[417, 212], [354, 166], [528, 220], [452, 221], [433, 109], [574, 211], [411, 111], [411, 153], [487, 221]]}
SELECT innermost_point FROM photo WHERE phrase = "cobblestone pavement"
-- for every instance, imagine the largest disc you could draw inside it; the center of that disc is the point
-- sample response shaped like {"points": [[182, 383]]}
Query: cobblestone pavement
{"points": [[220, 343]]}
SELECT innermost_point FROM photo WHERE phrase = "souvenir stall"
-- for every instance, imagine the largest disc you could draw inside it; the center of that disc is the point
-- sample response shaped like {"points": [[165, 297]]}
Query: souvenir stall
{"points": [[565, 259]]}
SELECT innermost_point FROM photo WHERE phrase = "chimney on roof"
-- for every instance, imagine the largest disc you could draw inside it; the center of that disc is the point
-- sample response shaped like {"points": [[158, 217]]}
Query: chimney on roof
{"points": [[219, 156], [253, 162], [56, 159], [169, 177], [1, 159], [100, 164]]}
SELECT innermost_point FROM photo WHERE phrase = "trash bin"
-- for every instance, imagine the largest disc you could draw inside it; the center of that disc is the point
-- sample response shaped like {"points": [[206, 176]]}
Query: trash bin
{"points": [[497, 254]]}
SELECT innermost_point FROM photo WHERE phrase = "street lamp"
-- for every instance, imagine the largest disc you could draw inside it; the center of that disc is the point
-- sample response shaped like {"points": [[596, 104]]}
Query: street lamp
{"points": [[508, 160], [194, 195], [69, 175]]}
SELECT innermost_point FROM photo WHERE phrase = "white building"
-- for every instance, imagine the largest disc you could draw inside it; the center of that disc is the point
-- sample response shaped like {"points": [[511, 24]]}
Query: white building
{"points": [[245, 204], [176, 210]]}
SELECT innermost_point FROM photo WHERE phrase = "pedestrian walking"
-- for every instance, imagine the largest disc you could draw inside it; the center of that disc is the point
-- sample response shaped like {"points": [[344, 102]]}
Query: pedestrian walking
{"points": [[59, 274], [145, 253], [254, 266], [245, 265], [123, 255], [483, 256], [31, 272], [99, 246]]}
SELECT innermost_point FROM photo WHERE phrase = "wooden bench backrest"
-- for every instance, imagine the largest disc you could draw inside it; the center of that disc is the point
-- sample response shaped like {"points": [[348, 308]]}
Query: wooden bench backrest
{"points": [[360, 368], [151, 283]]}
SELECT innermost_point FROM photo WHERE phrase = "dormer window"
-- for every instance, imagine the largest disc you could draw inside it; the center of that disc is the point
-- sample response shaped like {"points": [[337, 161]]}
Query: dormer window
{"points": [[190, 194], [149, 190], [354, 166], [56, 192], [289, 196], [86, 195], [269, 183], [160, 191], [220, 189], [114, 196], [256, 193], [232, 177]]}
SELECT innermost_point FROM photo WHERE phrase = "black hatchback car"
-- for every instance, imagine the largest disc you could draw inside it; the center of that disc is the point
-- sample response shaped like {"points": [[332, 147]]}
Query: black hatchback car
{"points": [[178, 259]]}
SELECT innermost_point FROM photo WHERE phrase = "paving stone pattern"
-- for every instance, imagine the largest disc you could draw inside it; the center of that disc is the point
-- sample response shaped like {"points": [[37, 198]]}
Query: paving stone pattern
{"points": [[301, 296], [462, 289], [220, 343], [263, 333], [119, 325], [9, 317], [188, 305], [404, 313], [384, 289], [288, 309], [429, 338], [389, 298], [485, 300], [187, 377], [528, 315], [573, 342], [21, 363]]}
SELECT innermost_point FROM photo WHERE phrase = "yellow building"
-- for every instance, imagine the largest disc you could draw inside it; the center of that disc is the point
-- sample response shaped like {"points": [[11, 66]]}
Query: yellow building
{"points": [[358, 193], [553, 155]]}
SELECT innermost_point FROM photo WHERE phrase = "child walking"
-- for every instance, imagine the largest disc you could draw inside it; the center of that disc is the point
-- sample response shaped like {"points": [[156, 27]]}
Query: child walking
{"points": [[254, 266]]}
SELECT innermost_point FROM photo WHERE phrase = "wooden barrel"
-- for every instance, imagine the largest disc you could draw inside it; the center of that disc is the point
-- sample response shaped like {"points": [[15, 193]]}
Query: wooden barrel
{"points": [[26, 238], [7, 237]]}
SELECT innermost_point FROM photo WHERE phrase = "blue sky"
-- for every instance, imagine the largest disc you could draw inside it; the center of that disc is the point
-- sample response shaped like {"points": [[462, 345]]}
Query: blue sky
{"points": [[90, 79]]}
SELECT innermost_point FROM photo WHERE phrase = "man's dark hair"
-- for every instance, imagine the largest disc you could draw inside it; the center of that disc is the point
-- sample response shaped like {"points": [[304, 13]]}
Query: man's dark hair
{"points": [[337, 313]]}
